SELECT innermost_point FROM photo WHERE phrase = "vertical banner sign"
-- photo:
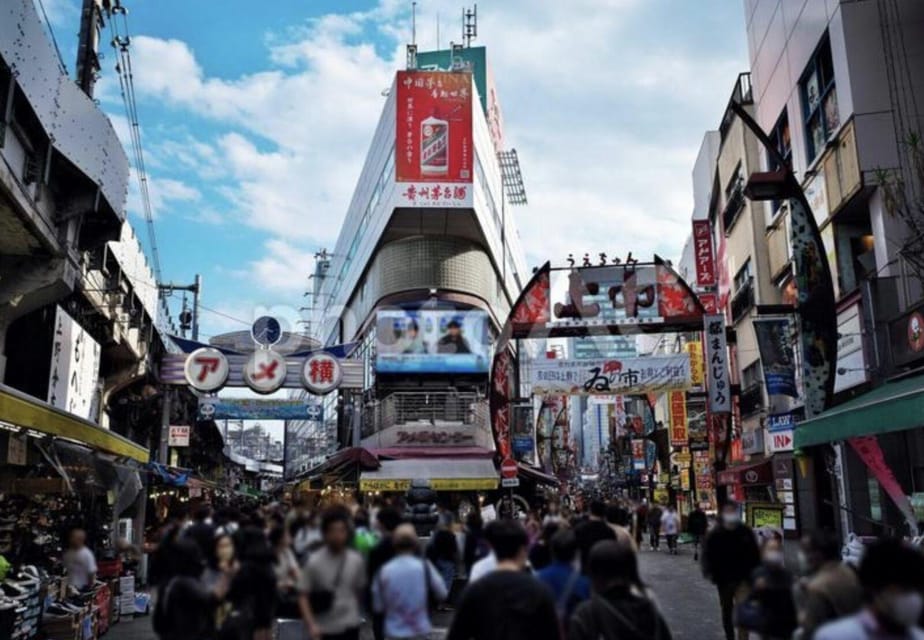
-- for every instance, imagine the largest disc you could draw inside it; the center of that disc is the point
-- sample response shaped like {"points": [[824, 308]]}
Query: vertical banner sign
{"points": [[816, 309], [717, 365], [703, 254], [867, 447], [776, 356], [678, 407], [434, 150], [75, 358], [638, 454], [697, 364]]}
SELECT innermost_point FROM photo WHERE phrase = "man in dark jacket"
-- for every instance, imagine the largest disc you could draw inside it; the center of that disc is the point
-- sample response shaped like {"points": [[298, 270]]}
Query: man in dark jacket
{"points": [[592, 531], [388, 519], [654, 526], [697, 525], [617, 610], [730, 554]]}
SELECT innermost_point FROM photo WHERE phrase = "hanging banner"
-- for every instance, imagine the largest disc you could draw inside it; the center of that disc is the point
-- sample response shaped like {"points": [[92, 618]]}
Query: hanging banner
{"points": [[638, 454], [703, 254], [608, 376], [75, 359], [212, 408], [867, 447], [697, 426], [697, 363], [678, 413], [717, 364], [776, 356]]}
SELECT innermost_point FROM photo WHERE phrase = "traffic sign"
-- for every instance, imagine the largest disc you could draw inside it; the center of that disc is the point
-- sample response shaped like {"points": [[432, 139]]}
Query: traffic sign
{"points": [[509, 469], [266, 330], [510, 483]]}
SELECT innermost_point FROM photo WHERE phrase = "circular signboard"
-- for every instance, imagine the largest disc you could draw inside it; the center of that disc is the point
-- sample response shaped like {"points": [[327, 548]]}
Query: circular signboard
{"points": [[206, 369], [321, 373], [265, 371], [509, 468], [266, 331]]}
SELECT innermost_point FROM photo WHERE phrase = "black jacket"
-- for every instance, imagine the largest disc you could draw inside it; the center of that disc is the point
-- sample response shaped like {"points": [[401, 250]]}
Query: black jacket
{"points": [[618, 615], [730, 555], [697, 522]]}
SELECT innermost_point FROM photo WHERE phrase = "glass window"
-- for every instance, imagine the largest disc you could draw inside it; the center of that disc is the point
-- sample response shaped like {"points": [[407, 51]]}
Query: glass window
{"points": [[819, 100], [743, 277]]}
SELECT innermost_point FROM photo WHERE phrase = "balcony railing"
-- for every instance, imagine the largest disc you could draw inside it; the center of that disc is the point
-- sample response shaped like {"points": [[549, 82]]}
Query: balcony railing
{"points": [[752, 399], [733, 207], [743, 300], [435, 409], [742, 94]]}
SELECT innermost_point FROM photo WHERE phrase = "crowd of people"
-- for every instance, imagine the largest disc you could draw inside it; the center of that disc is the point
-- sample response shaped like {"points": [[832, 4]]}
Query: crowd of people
{"points": [[553, 576]]}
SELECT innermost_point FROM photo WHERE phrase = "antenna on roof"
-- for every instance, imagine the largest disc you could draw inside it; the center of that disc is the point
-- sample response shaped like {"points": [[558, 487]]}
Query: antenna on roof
{"points": [[469, 25], [437, 30], [413, 23], [412, 48]]}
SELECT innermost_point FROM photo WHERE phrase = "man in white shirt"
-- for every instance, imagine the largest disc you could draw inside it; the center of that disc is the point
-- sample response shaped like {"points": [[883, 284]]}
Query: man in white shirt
{"points": [[483, 567], [79, 561]]}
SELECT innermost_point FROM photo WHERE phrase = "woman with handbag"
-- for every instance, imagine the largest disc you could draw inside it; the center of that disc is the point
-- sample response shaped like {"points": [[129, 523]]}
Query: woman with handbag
{"points": [[332, 582], [617, 610]]}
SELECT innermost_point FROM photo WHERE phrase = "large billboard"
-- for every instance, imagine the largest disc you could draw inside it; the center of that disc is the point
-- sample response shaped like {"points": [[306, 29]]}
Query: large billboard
{"points": [[75, 356], [650, 374], [434, 147], [432, 341]]}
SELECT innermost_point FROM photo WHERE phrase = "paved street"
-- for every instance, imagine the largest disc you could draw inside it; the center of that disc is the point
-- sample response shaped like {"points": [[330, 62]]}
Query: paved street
{"points": [[688, 601]]}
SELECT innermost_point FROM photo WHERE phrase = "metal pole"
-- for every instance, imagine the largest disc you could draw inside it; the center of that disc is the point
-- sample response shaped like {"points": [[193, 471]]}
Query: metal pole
{"points": [[195, 324], [162, 450], [357, 420]]}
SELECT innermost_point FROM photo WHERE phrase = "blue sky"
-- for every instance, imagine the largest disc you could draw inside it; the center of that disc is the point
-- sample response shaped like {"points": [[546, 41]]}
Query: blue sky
{"points": [[256, 119]]}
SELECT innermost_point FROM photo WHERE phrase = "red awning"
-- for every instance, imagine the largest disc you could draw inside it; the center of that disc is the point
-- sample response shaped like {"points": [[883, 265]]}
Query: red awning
{"points": [[751, 474], [404, 453]]}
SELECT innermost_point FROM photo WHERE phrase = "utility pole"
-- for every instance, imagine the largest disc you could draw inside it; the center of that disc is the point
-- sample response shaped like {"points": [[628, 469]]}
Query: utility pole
{"points": [[88, 67], [187, 319]]}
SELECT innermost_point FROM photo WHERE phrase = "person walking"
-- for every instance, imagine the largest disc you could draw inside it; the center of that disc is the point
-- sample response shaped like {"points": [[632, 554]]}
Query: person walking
{"points": [[443, 552], [388, 519], [592, 531], [476, 545], [403, 589], [253, 593], [670, 525], [892, 576], [655, 513], [563, 578], [770, 610], [617, 610], [286, 570], [508, 603], [333, 581], [617, 518], [730, 555], [641, 522], [697, 525], [830, 589]]}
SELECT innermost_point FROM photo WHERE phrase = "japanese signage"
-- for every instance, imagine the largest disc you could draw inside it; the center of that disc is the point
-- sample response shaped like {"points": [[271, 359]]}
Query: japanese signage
{"points": [[710, 302], [425, 435], [678, 413], [638, 454], [523, 433], [702, 468], [703, 254], [265, 371], [776, 356], [16, 449], [618, 295], [906, 337], [178, 436], [628, 375], [437, 484], [717, 364], [321, 373], [75, 357], [697, 426], [256, 408], [434, 149], [206, 369], [752, 442], [697, 363], [765, 516], [851, 362]]}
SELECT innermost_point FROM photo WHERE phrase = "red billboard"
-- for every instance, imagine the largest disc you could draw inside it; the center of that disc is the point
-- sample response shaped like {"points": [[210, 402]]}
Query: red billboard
{"points": [[434, 149], [702, 253]]}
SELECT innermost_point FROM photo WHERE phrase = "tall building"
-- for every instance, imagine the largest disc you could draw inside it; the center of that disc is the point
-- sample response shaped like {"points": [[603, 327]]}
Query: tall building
{"points": [[839, 86], [423, 275]]}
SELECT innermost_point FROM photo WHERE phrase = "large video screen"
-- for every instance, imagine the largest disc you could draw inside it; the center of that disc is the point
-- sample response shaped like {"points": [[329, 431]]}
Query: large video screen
{"points": [[432, 341]]}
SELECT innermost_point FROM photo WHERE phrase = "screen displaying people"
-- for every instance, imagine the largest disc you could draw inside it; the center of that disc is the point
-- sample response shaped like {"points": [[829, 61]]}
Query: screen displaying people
{"points": [[432, 341]]}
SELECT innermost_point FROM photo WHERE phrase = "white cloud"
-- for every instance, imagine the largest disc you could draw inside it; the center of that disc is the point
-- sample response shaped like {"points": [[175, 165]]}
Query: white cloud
{"points": [[605, 101], [61, 13]]}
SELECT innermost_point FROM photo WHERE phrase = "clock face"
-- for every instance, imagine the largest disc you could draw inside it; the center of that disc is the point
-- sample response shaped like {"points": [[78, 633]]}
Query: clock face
{"points": [[266, 331]]}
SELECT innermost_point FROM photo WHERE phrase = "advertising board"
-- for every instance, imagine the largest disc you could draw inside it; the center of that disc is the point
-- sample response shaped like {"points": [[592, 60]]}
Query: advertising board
{"points": [[432, 341], [75, 358]]}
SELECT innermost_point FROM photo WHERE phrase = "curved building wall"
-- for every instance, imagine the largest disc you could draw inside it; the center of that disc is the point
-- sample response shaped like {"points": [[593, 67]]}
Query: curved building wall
{"points": [[426, 262]]}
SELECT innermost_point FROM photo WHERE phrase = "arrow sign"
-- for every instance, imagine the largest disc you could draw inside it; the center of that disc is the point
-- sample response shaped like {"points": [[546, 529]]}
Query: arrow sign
{"points": [[781, 441]]}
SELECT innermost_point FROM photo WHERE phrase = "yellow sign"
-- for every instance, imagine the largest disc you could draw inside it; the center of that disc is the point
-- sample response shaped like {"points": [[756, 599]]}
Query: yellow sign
{"points": [[766, 515], [697, 364], [437, 484], [685, 481], [683, 458], [661, 496]]}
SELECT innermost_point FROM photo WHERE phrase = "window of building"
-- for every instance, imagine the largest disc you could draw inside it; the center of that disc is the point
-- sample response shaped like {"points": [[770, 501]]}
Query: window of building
{"points": [[819, 100], [743, 277], [734, 198], [743, 298], [750, 376]]}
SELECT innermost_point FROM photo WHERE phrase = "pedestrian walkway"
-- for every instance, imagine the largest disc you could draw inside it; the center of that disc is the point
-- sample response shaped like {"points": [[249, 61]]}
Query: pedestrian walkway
{"points": [[689, 602], [137, 629]]}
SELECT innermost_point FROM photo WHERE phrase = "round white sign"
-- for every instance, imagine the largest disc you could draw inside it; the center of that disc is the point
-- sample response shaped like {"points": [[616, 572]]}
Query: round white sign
{"points": [[206, 369], [322, 373], [265, 371]]}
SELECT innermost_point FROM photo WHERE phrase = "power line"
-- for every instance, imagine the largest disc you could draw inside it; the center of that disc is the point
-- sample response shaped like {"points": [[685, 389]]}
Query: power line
{"points": [[121, 42], [54, 40]]}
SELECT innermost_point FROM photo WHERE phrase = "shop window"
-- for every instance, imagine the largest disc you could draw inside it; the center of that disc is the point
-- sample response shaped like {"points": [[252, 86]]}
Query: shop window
{"points": [[819, 100]]}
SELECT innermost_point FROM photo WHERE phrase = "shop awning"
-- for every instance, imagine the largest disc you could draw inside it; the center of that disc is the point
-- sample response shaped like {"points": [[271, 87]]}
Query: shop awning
{"points": [[895, 406], [537, 475], [21, 410], [750, 474], [443, 474], [398, 453]]}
